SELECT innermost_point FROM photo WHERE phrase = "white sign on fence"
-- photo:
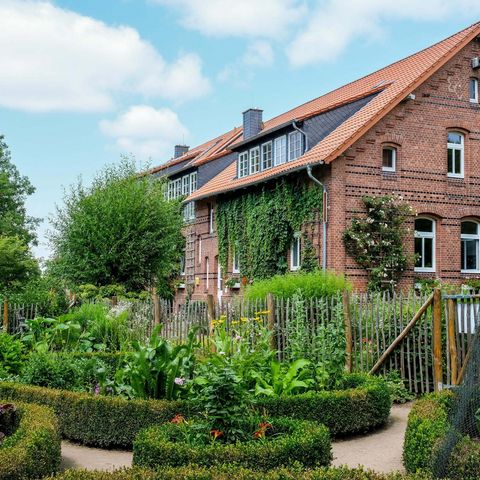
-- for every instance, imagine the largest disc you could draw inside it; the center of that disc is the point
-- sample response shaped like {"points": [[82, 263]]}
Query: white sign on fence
{"points": [[467, 316]]}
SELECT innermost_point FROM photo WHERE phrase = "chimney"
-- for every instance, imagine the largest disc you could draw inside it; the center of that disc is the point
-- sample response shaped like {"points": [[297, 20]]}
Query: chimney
{"points": [[180, 150], [252, 122]]}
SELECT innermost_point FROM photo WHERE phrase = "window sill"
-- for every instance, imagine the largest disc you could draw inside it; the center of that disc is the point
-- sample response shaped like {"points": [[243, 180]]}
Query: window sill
{"points": [[455, 178], [470, 272], [424, 270]]}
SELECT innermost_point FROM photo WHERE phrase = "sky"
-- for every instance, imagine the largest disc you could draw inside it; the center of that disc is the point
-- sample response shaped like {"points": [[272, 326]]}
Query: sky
{"points": [[84, 81]]}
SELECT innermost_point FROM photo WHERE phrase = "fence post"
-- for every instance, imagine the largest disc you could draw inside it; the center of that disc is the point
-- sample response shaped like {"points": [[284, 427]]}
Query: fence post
{"points": [[437, 339], [348, 331], [5, 315], [452, 344], [271, 320], [156, 307], [210, 313]]}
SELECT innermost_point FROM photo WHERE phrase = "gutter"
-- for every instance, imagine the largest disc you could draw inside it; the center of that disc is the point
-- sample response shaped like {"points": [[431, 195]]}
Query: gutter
{"points": [[324, 216]]}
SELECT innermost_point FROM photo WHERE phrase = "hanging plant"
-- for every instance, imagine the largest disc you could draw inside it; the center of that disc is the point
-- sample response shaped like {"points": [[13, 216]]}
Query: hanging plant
{"points": [[259, 225]]}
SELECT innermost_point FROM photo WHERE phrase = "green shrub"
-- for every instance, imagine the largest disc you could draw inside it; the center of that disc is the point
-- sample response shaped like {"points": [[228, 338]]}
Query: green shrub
{"points": [[11, 354], [361, 404], [33, 450], [95, 419], [427, 427], [306, 443], [311, 285], [194, 472]]}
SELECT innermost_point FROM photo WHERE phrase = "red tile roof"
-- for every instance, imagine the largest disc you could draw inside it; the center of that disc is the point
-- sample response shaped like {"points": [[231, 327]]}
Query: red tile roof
{"points": [[395, 82]]}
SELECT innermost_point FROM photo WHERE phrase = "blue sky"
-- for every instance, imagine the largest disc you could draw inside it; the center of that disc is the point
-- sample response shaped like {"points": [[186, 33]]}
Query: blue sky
{"points": [[84, 81]]}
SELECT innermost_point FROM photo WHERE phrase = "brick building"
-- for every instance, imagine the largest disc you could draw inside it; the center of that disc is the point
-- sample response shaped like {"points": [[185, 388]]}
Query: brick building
{"points": [[411, 128]]}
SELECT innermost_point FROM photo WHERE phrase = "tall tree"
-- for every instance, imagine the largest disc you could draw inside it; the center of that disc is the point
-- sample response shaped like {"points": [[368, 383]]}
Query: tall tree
{"points": [[120, 230], [14, 190]]}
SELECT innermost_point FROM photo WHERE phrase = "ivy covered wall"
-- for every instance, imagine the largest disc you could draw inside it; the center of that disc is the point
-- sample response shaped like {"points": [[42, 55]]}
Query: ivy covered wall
{"points": [[259, 225]]}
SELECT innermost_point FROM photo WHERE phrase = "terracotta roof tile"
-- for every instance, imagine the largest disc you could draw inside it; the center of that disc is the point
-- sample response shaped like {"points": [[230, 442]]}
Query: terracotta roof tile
{"points": [[395, 81]]}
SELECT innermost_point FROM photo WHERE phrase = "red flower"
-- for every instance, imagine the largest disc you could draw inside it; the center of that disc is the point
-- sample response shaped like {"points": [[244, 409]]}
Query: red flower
{"points": [[260, 433], [216, 433], [178, 419]]}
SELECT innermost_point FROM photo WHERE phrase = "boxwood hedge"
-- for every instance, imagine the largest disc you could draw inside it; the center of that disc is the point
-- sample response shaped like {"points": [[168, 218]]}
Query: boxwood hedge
{"points": [[306, 443], [33, 449], [114, 422], [194, 472], [426, 429], [363, 403]]}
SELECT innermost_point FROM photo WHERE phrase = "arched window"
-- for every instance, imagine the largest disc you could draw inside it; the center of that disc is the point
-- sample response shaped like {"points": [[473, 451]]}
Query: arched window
{"points": [[470, 238], [424, 245], [389, 159], [455, 154]]}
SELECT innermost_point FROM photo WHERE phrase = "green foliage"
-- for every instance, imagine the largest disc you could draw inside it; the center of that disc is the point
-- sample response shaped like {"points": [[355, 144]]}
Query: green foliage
{"points": [[361, 403], [377, 241], [311, 285], [261, 226], [427, 426], [33, 450], [17, 264], [305, 443], [97, 420], [284, 379], [90, 327], [121, 230], [11, 354], [228, 472], [396, 385], [92, 292], [158, 369], [14, 188]]}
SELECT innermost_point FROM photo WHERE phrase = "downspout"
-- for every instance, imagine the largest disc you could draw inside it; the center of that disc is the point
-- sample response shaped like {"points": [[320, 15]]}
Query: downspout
{"points": [[325, 198], [324, 215]]}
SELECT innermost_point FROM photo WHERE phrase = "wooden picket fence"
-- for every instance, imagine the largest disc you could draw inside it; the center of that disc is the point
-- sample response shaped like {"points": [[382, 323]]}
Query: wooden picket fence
{"points": [[378, 330]]}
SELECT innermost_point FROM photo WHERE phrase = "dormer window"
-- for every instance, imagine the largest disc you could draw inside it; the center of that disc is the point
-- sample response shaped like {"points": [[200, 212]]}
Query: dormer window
{"points": [[280, 149], [254, 160], [267, 155], [294, 145], [243, 165]]}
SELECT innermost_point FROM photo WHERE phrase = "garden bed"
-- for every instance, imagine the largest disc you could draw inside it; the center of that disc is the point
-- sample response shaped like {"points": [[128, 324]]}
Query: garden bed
{"points": [[32, 447], [109, 422], [285, 442], [428, 424]]}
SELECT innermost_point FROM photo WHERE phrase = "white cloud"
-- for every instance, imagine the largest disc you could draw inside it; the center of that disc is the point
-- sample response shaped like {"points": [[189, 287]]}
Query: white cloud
{"points": [[334, 24], [259, 53], [57, 60], [145, 131], [241, 18]]}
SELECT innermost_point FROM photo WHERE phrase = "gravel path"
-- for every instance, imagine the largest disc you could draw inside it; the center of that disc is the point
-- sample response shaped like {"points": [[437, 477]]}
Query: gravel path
{"points": [[380, 450]]}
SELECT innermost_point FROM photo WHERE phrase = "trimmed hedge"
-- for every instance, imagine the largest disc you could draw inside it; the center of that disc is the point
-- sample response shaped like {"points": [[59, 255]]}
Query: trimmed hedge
{"points": [[234, 473], [427, 427], [97, 420], [302, 442], [114, 422], [33, 450], [364, 405]]}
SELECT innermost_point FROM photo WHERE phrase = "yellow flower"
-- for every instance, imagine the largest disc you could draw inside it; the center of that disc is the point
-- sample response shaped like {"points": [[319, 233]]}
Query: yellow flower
{"points": [[223, 317], [235, 322], [244, 319], [263, 312], [257, 319]]}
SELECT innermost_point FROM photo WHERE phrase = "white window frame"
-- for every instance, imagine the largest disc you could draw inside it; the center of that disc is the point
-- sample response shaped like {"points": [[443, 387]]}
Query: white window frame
{"points": [[393, 168], [468, 237], [193, 182], [280, 150], [235, 261], [474, 82], [255, 162], [185, 185], [457, 147], [266, 153], [210, 218], [427, 235], [199, 250], [178, 188], [189, 212], [171, 190], [183, 264], [207, 273], [295, 263], [295, 145], [243, 164]]}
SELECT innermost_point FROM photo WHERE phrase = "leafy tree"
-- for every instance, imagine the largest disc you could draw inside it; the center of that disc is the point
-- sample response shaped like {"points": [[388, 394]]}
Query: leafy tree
{"points": [[120, 230], [16, 264], [14, 189]]}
